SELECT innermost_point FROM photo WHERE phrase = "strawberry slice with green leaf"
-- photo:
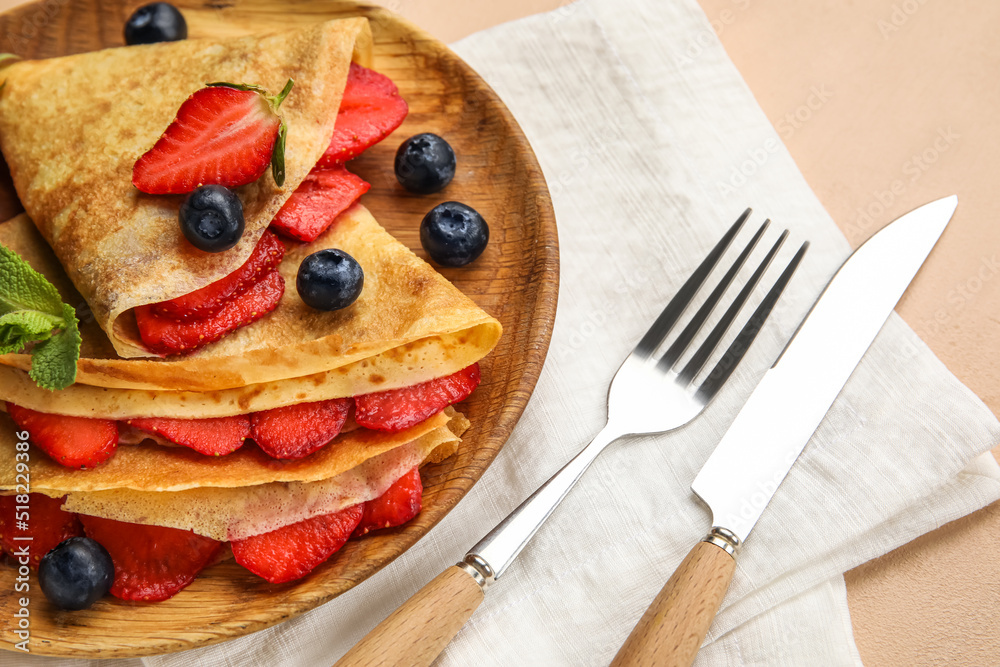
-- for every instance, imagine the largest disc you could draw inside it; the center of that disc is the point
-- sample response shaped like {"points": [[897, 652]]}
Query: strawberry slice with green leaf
{"points": [[210, 299], [216, 436], [75, 442], [166, 336], [294, 551], [325, 193], [399, 409], [44, 522], [151, 562], [400, 503], [296, 431], [369, 111], [226, 134]]}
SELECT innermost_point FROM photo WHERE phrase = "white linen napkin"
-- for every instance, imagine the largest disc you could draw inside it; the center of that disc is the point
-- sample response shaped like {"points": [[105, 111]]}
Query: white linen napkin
{"points": [[639, 120]]}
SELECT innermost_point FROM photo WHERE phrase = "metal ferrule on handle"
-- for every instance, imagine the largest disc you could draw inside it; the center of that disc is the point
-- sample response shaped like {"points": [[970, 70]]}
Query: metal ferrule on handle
{"points": [[676, 623], [725, 539], [495, 552], [478, 569]]}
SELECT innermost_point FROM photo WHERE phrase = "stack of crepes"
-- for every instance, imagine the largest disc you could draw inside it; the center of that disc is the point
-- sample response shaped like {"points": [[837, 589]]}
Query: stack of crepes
{"points": [[71, 129]]}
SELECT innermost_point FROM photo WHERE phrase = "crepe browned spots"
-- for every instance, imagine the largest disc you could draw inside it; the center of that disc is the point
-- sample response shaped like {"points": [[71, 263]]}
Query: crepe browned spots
{"points": [[409, 325], [71, 129]]}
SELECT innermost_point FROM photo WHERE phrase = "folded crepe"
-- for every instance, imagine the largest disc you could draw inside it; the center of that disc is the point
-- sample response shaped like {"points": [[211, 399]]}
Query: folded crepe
{"points": [[408, 326], [246, 493], [70, 129], [242, 494]]}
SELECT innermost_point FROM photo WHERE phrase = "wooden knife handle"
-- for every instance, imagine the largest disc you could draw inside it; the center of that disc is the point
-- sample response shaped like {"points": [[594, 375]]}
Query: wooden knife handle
{"points": [[422, 626], [672, 629]]}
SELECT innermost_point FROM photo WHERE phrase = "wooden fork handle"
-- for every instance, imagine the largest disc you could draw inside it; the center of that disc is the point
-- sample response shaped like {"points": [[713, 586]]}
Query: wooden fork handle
{"points": [[417, 632], [675, 624]]}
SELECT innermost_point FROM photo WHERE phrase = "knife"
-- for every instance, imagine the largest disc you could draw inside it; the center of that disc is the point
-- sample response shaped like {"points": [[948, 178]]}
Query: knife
{"points": [[770, 431]]}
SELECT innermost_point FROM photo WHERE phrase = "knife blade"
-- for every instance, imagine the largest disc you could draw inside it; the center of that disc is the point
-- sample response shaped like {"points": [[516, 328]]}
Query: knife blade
{"points": [[748, 465]]}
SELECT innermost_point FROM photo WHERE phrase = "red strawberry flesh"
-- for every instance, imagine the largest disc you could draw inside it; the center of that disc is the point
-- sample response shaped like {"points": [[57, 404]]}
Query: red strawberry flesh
{"points": [[399, 409], [293, 551], [166, 336], [400, 503], [210, 299], [369, 111], [151, 562], [220, 136], [216, 436], [43, 521], [320, 198], [75, 442], [296, 431]]}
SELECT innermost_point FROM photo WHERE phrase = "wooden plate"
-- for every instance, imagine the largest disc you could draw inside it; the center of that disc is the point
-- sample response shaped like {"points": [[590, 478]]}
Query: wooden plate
{"points": [[516, 280]]}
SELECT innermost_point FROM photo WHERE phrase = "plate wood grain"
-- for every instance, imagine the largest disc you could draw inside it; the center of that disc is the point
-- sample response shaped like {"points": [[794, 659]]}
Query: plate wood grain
{"points": [[516, 280]]}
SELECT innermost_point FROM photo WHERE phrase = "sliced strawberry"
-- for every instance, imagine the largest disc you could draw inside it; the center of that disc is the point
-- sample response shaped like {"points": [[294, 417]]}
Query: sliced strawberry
{"points": [[369, 111], [323, 195], [216, 436], [43, 522], [296, 431], [151, 562], [164, 335], [75, 442], [224, 134], [399, 409], [400, 503], [210, 299], [292, 552]]}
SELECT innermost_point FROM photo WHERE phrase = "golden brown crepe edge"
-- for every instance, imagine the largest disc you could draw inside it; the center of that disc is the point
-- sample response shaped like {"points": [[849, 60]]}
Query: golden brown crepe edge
{"points": [[149, 467], [237, 513], [309, 359], [384, 371]]}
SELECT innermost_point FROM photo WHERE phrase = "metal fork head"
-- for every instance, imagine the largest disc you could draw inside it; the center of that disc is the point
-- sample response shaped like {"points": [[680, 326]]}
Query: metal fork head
{"points": [[648, 394]]}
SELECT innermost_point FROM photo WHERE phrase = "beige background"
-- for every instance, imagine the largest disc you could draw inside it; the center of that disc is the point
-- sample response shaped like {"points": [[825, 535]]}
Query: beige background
{"points": [[884, 104]]}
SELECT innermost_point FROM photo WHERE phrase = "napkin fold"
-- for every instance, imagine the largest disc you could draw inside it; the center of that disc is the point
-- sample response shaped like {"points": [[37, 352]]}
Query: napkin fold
{"points": [[639, 120]]}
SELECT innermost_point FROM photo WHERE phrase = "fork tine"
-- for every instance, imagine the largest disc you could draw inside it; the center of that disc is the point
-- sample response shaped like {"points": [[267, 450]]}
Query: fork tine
{"points": [[710, 387], [677, 348], [701, 356], [668, 318]]}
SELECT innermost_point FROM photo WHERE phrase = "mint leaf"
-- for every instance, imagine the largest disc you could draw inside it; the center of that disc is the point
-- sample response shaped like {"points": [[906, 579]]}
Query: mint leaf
{"points": [[23, 288], [25, 325], [53, 361], [31, 311]]}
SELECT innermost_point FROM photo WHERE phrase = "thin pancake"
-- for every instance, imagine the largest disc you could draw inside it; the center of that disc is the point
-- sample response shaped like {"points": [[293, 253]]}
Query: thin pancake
{"points": [[401, 366], [71, 129], [233, 514], [409, 325], [155, 468]]}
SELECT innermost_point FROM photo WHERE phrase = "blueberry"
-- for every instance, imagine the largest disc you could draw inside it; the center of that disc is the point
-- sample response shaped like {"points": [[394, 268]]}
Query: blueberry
{"points": [[425, 163], [212, 218], [454, 234], [329, 280], [76, 573], [155, 22]]}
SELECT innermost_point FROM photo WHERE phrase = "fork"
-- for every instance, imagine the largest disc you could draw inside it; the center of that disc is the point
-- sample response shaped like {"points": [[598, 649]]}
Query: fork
{"points": [[647, 395]]}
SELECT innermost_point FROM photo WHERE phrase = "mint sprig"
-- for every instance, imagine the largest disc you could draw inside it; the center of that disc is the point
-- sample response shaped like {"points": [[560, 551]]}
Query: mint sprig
{"points": [[32, 312]]}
